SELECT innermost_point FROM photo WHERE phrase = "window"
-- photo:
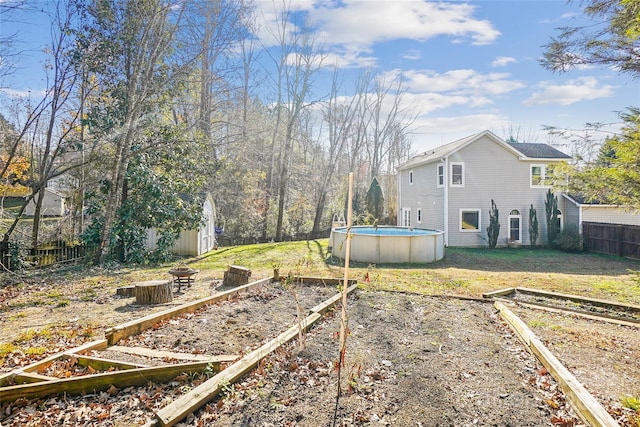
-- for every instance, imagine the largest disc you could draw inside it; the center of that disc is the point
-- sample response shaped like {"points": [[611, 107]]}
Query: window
{"points": [[559, 223], [515, 226], [470, 220], [440, 180], [406, 217], [457, 174], [539, 174], [410, 177], [419, 216]]}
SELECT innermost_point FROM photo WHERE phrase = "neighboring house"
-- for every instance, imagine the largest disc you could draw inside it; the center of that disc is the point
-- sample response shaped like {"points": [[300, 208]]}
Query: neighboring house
{"points": [[193, 242], [451, 187], [577, 211]]}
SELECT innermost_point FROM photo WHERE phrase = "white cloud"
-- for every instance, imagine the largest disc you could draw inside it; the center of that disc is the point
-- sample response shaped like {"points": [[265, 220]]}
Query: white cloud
{"points": [[582, 89], [461, 81], [412, 55], [356, 25], [502, 61]]}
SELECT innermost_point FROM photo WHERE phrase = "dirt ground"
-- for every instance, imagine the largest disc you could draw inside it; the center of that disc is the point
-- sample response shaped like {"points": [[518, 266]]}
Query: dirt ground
{"points": [[411, 360]]}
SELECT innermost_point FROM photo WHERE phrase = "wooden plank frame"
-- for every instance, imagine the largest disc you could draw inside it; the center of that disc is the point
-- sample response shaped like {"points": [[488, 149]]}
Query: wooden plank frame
{"points": [[571, 311], [33, 385], [586, 406], [575, 298], [196, 398], [99, 382], [137, 326]]}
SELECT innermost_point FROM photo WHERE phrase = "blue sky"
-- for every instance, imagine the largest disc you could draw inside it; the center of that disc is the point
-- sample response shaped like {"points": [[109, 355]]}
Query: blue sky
{"points": [[467, 66]]}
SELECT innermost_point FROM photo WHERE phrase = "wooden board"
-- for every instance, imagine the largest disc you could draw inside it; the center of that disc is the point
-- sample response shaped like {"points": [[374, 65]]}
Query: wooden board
{"points": [[594, 301], [571, 311], [319, 280], [188, 403], [137, 326], [93, 345], [587, 407], [499, 293], [98, 382], [162, 354], [325, 305]]}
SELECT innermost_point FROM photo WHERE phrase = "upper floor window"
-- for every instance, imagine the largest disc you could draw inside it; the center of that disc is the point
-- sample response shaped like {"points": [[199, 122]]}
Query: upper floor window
{"points": [[410, 177], [419, 216], [457, 174], [541, 175], [440, 178]]}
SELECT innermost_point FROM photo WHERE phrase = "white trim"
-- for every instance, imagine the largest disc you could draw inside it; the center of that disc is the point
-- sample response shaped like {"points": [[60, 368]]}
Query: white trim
{"points": [[406, 217], [543, 175], [446, 204], [439, 176], [468, 230], [519, 217], [451, 183]]}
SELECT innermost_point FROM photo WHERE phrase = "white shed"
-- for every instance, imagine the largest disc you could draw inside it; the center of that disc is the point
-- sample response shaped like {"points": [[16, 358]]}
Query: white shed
{"points": [[53, 204], [193, 242]]}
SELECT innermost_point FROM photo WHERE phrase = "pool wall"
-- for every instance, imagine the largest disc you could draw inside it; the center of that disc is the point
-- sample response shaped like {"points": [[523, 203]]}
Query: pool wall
{"points": [[425, 246]]}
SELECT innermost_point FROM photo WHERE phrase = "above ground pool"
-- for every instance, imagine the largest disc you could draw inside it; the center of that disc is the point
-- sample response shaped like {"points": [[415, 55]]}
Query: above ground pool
{"points": [[386, 244]]}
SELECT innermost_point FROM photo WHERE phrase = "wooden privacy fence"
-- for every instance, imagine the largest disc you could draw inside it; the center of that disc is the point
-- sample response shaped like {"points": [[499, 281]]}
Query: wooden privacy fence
{"points": [[613, 239]]}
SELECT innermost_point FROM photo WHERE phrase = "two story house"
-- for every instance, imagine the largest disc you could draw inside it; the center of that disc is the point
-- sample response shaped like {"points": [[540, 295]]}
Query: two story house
{"points": [[450, 188]]}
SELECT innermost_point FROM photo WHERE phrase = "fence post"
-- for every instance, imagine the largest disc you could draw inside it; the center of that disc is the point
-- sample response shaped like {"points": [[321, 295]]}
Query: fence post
{"points": [[619, 234]]}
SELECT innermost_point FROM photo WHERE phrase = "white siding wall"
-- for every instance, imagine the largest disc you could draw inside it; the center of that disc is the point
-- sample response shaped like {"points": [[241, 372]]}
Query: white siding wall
{"points": [[422, 194], [494, 172], [611, 215]]}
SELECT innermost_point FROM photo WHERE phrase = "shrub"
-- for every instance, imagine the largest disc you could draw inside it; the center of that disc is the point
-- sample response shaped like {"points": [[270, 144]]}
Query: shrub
{"points": [[569, 239]]}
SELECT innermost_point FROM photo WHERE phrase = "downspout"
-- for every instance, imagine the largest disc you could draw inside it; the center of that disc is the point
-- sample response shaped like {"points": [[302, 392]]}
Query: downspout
{"points": [[446, 201], [399, 207]]}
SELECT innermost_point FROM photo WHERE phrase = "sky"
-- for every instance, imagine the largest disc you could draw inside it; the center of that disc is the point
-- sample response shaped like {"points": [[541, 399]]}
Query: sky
{"points": [[467, 66]]}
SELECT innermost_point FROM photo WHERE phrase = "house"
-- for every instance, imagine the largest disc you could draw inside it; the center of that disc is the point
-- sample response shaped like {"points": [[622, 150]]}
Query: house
{"points": [[578, 210], [450, 188], [193, 242]]}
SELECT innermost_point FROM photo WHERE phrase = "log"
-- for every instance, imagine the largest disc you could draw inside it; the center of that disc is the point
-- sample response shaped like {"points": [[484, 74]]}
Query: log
{"points": [[586, 406], [126, 291], [153, 292], [236, 276]]}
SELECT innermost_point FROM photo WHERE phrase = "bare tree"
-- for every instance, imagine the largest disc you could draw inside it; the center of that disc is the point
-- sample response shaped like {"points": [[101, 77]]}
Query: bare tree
{"points": [[296, 66]]}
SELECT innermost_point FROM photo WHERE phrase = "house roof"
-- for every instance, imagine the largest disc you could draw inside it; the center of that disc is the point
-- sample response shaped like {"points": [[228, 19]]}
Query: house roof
{"points": [[538, 151], [522, 150], [580, 200]]}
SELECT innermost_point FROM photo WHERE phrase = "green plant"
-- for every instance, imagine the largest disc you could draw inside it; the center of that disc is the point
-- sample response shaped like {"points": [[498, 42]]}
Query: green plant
{"points": [[569, 239], [631, 402], [533, 227], [494, 225], [551, 211]]}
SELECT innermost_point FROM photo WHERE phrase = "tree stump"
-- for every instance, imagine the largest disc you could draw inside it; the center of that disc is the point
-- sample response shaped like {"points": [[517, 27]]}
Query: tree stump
{"points": [[153, 292], [236, 276]]}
